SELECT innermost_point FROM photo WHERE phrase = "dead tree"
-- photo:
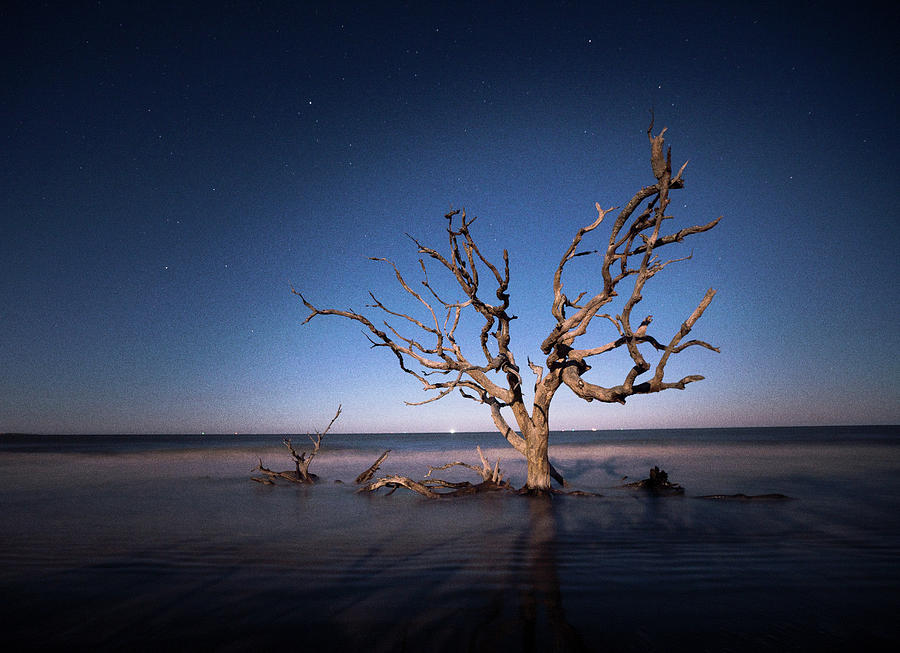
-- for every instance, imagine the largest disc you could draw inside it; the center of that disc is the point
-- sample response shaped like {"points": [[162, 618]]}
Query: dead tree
{"points": [[627, 261], [300, 473]]}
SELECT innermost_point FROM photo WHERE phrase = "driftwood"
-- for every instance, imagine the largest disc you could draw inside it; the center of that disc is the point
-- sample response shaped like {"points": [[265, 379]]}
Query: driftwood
{"points": [[657, 483], [367, 475], [491, 480], [427, 487], [269, 476], [486, 472], [300, 473]]}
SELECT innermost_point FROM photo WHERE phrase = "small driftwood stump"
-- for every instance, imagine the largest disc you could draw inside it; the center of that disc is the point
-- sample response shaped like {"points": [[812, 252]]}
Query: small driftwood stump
{"points": [[657, 483]]}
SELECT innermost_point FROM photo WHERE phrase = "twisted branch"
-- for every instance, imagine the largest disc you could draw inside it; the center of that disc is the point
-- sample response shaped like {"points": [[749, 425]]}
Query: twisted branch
{"points": [[634, 238]]}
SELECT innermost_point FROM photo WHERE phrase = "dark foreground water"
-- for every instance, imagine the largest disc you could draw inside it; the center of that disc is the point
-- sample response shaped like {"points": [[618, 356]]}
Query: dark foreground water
{"points": [[163, 543]]}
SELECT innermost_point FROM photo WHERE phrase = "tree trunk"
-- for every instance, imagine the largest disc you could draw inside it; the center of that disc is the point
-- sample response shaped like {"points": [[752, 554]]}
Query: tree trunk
{"points": [[536, 447]]}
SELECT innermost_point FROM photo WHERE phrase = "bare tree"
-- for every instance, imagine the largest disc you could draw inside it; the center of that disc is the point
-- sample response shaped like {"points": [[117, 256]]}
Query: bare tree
{"points": [[627, 262]]}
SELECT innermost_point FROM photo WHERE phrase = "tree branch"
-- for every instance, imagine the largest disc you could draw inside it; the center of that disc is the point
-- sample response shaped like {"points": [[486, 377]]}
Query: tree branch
{"points": [[634, 237], [367, 475]]}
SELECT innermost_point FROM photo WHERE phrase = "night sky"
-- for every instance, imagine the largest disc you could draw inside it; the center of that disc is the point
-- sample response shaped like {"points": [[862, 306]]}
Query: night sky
{"points": [[169, 171]]}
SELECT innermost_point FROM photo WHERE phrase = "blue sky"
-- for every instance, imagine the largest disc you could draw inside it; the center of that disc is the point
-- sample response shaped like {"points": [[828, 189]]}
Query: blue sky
{"points": [[169, 172]]}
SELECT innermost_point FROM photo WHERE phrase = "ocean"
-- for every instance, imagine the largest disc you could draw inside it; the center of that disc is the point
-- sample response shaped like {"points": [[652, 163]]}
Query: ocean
{"points": [[148, 543]]}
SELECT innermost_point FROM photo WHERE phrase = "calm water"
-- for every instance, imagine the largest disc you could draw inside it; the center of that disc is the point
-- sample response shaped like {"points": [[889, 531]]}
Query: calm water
{"points": [[162, 542]]}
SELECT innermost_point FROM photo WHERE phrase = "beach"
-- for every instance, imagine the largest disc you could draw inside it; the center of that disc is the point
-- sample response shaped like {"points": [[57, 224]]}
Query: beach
{"points": [[163, 542]]}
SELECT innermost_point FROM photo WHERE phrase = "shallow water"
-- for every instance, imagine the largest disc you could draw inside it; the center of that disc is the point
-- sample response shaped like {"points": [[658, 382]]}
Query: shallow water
{"points": [[162, 542]]}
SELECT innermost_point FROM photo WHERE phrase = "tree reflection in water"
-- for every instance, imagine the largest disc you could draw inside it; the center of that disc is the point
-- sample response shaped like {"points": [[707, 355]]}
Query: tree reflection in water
{"points": [[543, 615], [536, 620]]}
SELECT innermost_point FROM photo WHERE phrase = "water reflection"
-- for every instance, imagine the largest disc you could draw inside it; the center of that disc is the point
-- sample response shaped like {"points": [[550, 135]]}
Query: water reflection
{"points": [[527, 612], [543, 615], [181, 551]]}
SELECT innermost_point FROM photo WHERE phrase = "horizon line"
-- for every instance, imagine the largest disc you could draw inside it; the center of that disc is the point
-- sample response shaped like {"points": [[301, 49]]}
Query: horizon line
{"points": [[447, 432]]}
